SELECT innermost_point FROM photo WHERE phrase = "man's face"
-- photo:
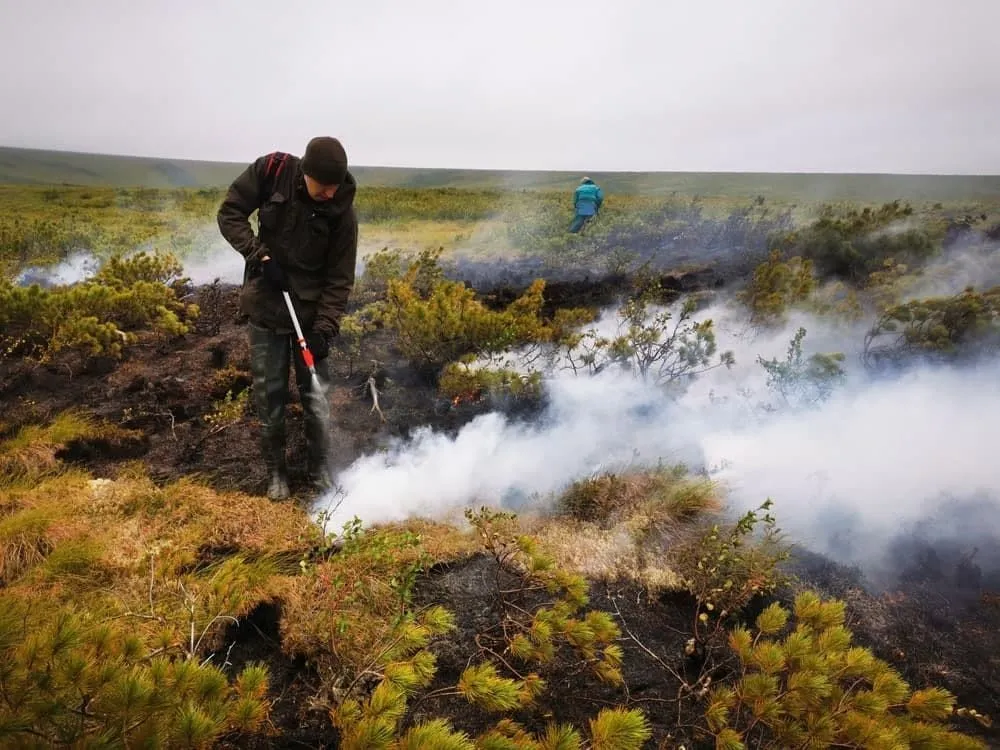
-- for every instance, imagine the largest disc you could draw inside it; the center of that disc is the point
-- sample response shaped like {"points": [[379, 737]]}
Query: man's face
{"points": [[318, 191]]}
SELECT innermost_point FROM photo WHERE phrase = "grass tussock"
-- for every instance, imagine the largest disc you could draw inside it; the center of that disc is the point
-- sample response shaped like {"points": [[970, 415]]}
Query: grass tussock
{"points": [[179, 563], [31, 452], [603, 553], [616, 525], [660, 496]]}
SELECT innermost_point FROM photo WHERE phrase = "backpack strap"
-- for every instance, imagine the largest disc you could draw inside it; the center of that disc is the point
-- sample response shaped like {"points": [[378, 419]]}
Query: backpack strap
{"points": [[272, 167]]}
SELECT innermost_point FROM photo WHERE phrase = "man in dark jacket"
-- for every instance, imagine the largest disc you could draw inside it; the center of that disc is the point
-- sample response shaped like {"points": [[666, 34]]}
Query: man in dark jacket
{"points": [[306, 244]]}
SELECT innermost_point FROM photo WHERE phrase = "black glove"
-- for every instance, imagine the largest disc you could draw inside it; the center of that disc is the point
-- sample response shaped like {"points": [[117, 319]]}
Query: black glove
{"points": [[319, 344], [274, 274]]}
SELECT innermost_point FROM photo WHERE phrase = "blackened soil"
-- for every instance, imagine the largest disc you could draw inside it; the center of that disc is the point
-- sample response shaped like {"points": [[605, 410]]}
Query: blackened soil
{"points": [[294, 721], [654, 633]]}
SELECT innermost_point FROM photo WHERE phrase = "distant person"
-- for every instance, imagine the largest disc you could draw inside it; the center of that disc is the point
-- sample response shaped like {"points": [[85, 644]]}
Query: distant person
{"points": [[307, 245], [587, 202]]}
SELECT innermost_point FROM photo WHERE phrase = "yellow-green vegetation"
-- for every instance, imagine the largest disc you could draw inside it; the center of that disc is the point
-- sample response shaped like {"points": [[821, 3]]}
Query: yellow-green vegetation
{"points": [[776, 285], [803, 684], [113, 605], [42, 225], [492, 685], [30, 454], [655, 344], [850, 243], [614, 525], [100, 316], [441, 326], [936, 327]]}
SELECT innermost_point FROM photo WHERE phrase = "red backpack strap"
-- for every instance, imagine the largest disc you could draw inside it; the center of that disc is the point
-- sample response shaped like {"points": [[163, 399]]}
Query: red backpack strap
{"points": [[272, 167]]}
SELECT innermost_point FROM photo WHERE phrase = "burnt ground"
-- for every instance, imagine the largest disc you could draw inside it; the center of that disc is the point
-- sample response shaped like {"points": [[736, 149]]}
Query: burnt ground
{"points": [[934, 632], [655, 630]]}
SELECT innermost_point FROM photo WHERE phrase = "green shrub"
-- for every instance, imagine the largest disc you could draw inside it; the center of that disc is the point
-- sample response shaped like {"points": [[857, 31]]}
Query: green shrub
{"points": [[850, 243], [775, 286], [100, 316], [939, 328], [69, 680], [805, 685], [803, 383], [651, 343], [727, 567]]}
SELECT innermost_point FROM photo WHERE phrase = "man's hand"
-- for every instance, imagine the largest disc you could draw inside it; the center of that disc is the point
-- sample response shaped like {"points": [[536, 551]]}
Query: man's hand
{"points": [[273, 273], [319, 343]]}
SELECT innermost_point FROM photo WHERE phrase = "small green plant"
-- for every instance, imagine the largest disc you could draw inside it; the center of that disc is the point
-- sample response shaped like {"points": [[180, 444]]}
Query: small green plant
{"points": [[805, 685], [727, 567], [652, 344], [228, 410], [803, 383]]}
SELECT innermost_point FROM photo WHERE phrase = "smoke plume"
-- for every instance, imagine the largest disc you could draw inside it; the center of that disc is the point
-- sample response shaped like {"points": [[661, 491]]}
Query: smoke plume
{"points": [[74, 268], [878, 458]]}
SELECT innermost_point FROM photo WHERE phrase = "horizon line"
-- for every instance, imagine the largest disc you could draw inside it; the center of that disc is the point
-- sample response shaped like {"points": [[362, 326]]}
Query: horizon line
{"points": [[549, 170]]}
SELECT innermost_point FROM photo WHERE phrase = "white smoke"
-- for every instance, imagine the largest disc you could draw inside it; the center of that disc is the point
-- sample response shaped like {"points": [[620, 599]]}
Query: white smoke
{"points": [[876, 457], [214, 259], [74, 268]]}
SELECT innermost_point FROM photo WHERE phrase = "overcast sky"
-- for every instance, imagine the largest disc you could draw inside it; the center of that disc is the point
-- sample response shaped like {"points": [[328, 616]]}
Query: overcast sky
{"points": [[770, 85]]}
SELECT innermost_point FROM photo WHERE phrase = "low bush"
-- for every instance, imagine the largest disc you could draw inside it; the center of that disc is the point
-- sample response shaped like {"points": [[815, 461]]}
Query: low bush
{"points": [[803, 684], [67, 679], [943, 328], [100, 316]]}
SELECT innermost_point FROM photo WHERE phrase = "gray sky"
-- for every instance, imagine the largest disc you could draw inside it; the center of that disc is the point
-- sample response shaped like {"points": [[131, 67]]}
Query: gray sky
{"points": [[770, 85]]}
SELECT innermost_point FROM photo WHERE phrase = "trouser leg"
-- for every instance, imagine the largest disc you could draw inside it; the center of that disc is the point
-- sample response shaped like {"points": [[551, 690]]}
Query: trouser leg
{"points": [[269, 355], [577, 224], [316, 410]]}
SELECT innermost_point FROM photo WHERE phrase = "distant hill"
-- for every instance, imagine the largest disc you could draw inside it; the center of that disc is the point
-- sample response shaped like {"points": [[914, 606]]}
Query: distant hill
{"points": [[30, 166]]}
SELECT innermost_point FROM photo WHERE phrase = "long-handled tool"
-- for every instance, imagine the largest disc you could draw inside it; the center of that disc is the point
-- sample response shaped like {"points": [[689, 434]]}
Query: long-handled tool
{"points": [[306, 354]]}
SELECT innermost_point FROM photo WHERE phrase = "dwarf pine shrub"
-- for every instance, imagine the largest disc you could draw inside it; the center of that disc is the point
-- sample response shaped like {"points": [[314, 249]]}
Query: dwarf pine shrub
{"points": [[803, 684], [67, 679], [438, 321], [100, 316], [936, 328], [849, 243], [799, 381], [656, 344], [776, 285]]}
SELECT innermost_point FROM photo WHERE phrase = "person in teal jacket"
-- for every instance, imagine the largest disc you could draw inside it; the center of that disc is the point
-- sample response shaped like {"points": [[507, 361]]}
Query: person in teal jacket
{"points": [[587, 201]]}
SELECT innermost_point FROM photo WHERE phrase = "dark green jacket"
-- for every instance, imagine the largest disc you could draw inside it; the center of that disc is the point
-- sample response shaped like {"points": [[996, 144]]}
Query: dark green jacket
{"points": [[316, 243]]}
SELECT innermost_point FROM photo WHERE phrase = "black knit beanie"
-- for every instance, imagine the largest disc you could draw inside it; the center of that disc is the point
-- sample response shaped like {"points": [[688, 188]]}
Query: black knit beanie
{"points": [[325, 161]]}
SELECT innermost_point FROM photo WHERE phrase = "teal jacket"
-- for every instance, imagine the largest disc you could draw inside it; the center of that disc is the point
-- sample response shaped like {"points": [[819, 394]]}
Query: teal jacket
{"points": [[588, 198]]}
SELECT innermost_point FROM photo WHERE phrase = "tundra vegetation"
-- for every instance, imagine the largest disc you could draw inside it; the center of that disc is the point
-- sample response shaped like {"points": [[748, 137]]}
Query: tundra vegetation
{"points": [[123, 595]]}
